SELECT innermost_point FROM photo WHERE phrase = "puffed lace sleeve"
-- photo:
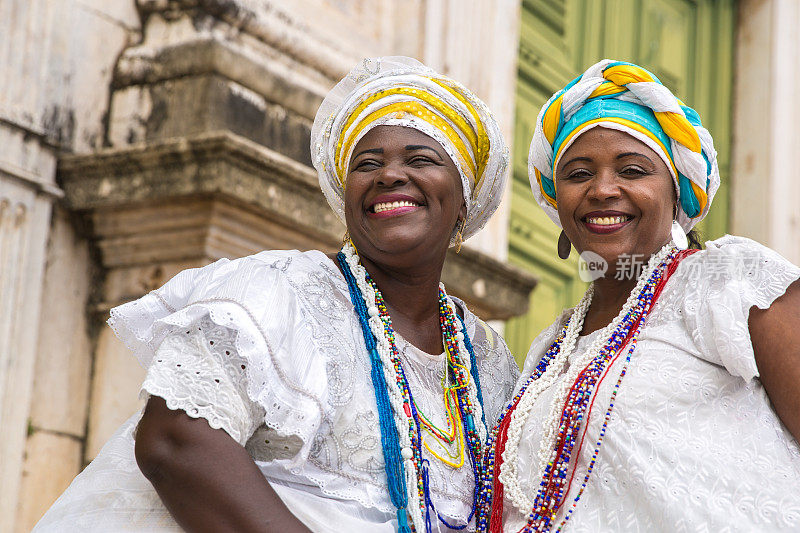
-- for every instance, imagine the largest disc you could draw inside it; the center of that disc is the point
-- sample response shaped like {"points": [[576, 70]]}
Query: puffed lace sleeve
{"points": [[229, 342], [198, 370], [724, 282]]}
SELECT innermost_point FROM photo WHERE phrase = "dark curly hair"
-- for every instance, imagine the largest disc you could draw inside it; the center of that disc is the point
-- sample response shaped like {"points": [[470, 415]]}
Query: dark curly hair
{"points": [[695, 239]]}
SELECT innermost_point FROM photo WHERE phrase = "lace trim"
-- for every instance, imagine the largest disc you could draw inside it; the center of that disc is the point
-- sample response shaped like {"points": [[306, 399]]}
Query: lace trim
{"points": [[722, 284], [198, 371], [284, 411]]}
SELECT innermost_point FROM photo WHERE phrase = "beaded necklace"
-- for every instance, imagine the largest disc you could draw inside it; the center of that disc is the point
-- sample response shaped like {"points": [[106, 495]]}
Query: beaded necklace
{"points": [[453, 435], [571, 405], [399, 419]]}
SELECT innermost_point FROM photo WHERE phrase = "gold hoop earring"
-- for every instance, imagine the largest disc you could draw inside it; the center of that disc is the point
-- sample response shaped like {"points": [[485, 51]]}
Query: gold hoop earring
{"points": [[460, 235]]}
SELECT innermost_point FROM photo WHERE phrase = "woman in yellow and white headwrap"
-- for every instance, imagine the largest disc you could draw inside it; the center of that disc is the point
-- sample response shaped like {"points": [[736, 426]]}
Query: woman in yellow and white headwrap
{"points": [[400, 91], [667, 399], [350, 392]]}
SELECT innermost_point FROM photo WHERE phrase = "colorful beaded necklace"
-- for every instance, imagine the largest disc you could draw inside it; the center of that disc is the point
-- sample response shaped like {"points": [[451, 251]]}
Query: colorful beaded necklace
{"points": [[570, 408], [399, 418], [453, 434]]}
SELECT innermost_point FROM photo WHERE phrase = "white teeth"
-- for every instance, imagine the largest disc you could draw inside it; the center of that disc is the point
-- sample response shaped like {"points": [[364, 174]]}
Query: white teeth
{"points": [[606, 221], [386, 206]]}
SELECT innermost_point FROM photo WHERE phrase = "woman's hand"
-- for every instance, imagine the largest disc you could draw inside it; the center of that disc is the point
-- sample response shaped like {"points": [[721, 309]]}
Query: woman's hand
{"points": [[204, 477], [775, 334]]}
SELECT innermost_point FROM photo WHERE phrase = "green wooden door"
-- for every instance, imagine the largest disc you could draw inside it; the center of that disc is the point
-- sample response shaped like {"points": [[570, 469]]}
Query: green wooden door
{"points": [[688, 44]]}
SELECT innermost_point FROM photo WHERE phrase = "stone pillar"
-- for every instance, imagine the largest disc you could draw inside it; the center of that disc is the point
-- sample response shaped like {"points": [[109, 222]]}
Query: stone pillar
{"points": [[59, 403], [765, 189], [476, 43], [25, 204], [56, 59], [27, 191]]}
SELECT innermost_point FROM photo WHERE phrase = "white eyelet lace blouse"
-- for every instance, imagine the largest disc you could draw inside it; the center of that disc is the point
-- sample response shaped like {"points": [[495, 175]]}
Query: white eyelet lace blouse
{"points": [[269, 349], [693, 443]]}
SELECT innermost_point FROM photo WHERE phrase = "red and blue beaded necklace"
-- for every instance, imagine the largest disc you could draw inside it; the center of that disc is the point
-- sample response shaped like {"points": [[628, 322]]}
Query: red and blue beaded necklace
{"points": [[555, 484]]}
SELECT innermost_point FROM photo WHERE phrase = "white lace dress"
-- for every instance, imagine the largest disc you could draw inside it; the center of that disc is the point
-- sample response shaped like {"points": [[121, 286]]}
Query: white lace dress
{"points": [[269, 349], [693, 443]]}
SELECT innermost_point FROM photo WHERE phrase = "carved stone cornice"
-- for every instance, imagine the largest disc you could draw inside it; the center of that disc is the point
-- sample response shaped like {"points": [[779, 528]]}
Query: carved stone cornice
{"points": [[210, 163], [221, 195], [266, 22], [493, 290], [257, 46], [288, 85]]}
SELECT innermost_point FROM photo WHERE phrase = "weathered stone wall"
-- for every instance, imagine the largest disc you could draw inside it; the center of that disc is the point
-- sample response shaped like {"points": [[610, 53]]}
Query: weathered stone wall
{"points": [[765, 188], [54, 88]]}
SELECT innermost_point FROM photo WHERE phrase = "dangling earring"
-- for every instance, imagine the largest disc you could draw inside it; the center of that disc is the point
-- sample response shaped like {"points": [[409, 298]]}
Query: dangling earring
{"points": [[346, 238], [676, 231], [679, 236], [564, 246], [460, 235]]}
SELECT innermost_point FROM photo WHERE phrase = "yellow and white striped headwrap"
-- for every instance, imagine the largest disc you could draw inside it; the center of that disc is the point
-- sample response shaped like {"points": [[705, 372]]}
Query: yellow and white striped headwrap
{"points": [[401, 91], [626, 97]]}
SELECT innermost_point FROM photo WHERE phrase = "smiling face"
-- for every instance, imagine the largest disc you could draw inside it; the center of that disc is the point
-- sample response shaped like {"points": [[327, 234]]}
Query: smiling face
{"points": [[615, 195], [403, 194]]}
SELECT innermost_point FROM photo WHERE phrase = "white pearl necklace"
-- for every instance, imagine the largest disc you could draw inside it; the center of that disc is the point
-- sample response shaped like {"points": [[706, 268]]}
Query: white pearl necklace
{"points": [[402, 421], [509, 475]]}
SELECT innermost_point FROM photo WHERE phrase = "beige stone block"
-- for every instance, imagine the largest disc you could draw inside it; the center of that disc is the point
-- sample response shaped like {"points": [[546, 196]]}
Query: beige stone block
{"points": [[192, 105], [122, 12], [24, 217], [115, 390], [56, 81], [381, 26], [26, 159], [84, 99], [64, 361], [51, 462]]}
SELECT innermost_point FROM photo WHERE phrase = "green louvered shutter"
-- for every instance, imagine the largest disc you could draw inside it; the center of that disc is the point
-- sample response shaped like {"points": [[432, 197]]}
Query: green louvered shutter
{"points": [[688, 44]]}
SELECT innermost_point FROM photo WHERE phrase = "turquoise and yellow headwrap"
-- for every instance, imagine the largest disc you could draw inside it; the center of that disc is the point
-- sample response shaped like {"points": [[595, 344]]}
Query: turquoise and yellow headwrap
{"points": [[401, 91], [626, 97]]}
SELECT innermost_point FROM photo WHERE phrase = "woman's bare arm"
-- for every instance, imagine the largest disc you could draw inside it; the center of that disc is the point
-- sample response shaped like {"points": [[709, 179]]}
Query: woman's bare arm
{"points": [[775, 334], [204, 477]]}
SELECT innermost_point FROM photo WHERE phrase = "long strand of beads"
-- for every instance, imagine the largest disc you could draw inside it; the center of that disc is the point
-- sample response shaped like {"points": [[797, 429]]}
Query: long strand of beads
{"points": [[634, 339], [553, 486], [551, 427], [390, 441], [533, 388], [466, 377], [589, 367], [398, 400], [487, 495], [606, 419], [395, 355], [473, 368], [467, 391], [468, 397]]}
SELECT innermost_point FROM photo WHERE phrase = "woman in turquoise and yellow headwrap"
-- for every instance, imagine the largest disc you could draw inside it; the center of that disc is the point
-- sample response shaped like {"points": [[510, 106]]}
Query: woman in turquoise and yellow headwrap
{"points": [[293, 390], [667, 399]]}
